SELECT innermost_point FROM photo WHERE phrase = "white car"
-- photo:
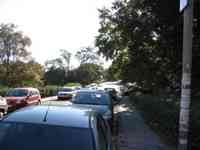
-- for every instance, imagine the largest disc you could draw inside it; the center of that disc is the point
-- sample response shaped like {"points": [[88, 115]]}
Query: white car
{"points": [[3, 106], [66, 93]]}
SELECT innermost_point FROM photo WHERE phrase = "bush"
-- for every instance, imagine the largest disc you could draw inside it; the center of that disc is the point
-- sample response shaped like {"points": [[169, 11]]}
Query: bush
{"points": [[3, 91], [48, 91], [163, 116], [73, 84]]}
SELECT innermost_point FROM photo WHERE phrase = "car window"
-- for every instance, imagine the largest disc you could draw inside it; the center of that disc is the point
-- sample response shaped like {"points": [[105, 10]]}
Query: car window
{"points": [[40, 137], [92, 98], [66, 90], [17, 92], [35, 93]]}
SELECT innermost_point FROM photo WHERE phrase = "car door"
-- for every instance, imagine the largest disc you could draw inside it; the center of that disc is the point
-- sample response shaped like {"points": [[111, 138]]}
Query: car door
{"points": [[35, 97], [30, 97], [104, 134]]}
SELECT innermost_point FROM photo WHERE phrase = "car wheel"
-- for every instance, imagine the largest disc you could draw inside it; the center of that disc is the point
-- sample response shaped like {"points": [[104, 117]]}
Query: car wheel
{"points": [[39, 102]]}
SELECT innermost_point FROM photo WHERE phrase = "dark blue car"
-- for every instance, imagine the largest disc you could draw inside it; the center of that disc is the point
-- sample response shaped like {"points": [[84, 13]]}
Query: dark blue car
{"points": [[54, 128]]}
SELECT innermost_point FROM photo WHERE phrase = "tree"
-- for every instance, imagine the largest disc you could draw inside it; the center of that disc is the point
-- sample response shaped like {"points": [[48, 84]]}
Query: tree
{"points": [[58, 69], [88, 73], [146, 33], [13, 44], [66, 57], [87, 55], [54, 64], [55, 76], [17, 66], [23, 74]]}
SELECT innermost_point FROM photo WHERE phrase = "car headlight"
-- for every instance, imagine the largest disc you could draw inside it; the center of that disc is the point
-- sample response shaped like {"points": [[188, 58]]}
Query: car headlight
{"points": [[107, 115]]}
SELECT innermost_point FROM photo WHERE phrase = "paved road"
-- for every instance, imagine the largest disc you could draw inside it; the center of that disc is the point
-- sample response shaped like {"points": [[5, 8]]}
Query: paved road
{"points": [[134, 134]]}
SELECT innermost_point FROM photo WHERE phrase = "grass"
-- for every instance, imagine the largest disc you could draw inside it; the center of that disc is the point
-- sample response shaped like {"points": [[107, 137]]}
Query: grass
{"points": [[72, 84]]}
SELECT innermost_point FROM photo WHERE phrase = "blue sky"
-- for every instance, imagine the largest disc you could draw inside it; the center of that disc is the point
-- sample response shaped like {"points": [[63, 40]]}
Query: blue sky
{"points": [[54, 24]]}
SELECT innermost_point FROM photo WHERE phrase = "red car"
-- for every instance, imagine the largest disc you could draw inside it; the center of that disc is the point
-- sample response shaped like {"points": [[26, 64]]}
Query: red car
{"points": [[20, 97]]}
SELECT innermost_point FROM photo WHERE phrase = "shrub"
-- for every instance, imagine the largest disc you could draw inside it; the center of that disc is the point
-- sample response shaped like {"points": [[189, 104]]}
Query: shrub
{"points": [[73, 84], [3, 91], [49, 91], [163, 116]]}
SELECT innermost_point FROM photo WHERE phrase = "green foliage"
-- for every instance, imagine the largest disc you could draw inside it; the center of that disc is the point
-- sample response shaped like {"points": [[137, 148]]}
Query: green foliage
{"points": [[13, 44], [57, 69], [72, 84], [17, 68], [88, 73], [55, 76], [162, 114], [146, 32], [3, 90], [87, 55], [23, 74], [49, 90]]}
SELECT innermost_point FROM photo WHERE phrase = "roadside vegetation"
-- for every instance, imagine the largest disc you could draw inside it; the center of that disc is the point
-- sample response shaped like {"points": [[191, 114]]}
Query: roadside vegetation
{"points": [[162, 114], [144, 40], [19, 69]]}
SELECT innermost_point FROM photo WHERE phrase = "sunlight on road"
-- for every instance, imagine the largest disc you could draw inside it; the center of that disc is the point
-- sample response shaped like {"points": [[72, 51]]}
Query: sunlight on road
{"points": [[122, 108]]}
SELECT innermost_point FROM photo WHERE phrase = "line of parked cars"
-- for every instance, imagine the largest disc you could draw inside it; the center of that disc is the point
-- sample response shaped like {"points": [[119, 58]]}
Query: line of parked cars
{"points": [[17, 98], [84, 124]]}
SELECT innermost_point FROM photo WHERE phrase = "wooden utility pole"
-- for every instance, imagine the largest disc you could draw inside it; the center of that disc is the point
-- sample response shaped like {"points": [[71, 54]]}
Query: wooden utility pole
{"points": [[186, 77]]}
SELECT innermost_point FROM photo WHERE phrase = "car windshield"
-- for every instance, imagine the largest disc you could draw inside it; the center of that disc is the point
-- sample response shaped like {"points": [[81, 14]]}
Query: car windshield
{"points": [[66, 90], [15, 136], [91, 98], [17, 92]]}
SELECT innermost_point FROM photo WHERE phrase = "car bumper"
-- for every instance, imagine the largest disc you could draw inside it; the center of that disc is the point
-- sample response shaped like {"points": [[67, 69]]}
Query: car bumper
{"points": [[64, 96], [4, 108], [15, 106]]}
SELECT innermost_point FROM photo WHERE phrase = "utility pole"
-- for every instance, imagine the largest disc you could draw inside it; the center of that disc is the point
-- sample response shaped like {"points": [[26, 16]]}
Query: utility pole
{"points": [[186, 78]]}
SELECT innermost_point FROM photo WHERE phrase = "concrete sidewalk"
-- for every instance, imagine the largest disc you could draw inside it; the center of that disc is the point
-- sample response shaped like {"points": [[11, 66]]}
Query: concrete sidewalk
{"points": [[134, 134], [49, 98]]}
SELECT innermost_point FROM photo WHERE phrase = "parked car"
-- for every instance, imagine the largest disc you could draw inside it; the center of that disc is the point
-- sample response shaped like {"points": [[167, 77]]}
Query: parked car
{"points": [[99, 101], [54, 128], [66, 93], [20, 97], [3, 106]]}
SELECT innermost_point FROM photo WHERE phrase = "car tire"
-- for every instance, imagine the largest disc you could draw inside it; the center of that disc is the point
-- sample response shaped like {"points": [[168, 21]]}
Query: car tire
{"points": [[39, 102]]}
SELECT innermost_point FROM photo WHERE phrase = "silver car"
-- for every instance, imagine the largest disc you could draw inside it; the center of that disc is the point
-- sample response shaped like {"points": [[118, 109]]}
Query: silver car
{"points": [[3, 106], [66, 93]]}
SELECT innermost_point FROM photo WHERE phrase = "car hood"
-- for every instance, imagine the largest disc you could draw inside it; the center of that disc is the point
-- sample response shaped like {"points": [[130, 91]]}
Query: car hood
{"points": [[98, 108]]}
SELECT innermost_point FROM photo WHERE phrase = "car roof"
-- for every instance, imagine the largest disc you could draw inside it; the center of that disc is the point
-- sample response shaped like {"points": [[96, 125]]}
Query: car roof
{"points": [[67, 87], [68, 116], [87, 90], [26, 88]]}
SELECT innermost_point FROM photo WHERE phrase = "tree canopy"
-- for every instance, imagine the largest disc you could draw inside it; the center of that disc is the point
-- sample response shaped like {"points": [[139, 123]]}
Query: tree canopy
{"points": [[87, 55], [143, 37], [17, 68]]}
